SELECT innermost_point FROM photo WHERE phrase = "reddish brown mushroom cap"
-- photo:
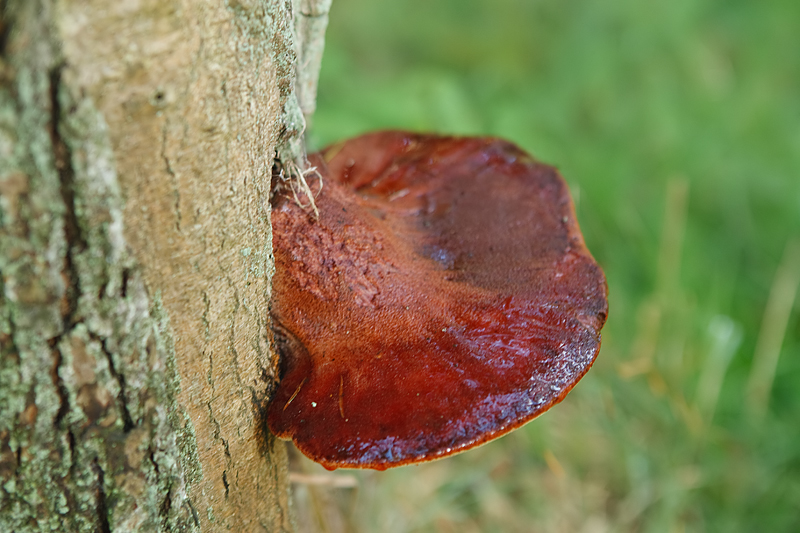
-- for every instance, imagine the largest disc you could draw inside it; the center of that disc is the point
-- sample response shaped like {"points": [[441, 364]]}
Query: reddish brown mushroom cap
{"points": [[443, 298]]}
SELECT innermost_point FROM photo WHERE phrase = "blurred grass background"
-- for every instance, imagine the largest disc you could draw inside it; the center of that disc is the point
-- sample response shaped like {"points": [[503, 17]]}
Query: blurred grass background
{"points": [[677, 125]]}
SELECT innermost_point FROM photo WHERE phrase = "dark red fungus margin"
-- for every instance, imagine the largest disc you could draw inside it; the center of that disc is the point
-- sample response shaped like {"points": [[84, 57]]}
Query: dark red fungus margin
{"points": [[444, 297]]}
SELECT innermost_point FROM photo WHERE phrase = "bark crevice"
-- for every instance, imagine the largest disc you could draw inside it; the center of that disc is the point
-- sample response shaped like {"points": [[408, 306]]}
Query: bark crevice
{"points": [[122, 398], [76, 241], [176, 193], [102, 505]]}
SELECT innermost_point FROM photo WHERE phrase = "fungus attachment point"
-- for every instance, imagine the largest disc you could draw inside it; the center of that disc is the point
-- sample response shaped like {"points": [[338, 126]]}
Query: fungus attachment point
{"points": [[443, 298]]}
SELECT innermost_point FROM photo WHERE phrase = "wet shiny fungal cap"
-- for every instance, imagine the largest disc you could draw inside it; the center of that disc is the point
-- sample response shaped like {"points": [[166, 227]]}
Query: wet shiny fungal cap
{"points": [[443, 298]]}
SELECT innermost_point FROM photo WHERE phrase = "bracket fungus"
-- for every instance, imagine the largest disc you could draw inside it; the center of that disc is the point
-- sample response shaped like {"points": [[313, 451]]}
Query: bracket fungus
{"points": [[443, 297]]}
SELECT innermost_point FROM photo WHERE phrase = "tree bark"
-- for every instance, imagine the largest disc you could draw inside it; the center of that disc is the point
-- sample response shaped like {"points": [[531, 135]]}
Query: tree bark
{"points": [[137, 140]]}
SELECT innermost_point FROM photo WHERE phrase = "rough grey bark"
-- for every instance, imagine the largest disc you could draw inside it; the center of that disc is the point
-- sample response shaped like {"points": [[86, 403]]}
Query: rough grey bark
{"points": [[136, 146]]}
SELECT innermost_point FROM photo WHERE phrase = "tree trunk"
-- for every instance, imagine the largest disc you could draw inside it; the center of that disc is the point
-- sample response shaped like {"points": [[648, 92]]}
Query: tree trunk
{"points": [[137, 140]]}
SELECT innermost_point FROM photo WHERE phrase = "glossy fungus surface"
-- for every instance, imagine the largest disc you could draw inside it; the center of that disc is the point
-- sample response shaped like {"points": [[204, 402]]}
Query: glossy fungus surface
{"points": [[443, 298]]}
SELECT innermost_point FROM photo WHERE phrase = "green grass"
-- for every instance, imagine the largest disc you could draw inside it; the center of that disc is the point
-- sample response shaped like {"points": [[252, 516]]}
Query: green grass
{"points": [[677, 125]]}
